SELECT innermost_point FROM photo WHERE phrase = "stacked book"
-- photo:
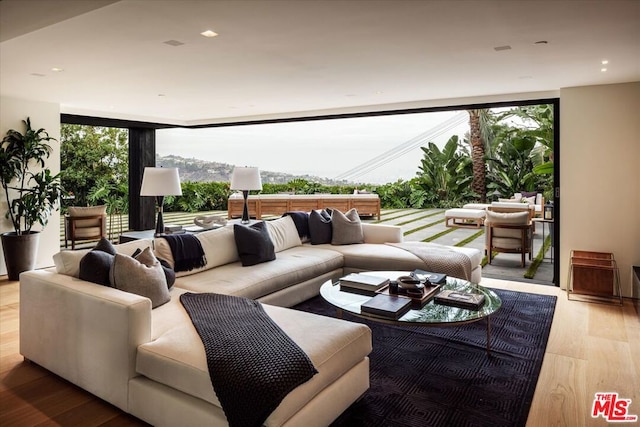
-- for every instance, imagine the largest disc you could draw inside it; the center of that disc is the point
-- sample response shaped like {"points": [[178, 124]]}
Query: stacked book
{"points": [[363, 284], [388, 306], [460, 299]]}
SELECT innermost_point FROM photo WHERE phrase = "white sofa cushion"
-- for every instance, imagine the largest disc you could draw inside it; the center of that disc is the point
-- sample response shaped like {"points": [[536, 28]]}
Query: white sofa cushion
{"points": [[283, 233], [177, 358], [377, 233], [293, 266], [219, 248], [68, 262], [476, 206], [371, 257]]}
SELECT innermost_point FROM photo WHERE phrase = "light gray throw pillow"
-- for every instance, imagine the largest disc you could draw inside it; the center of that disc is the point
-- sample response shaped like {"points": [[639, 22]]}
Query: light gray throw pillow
{"points": [[347, 228], [142, 275]]}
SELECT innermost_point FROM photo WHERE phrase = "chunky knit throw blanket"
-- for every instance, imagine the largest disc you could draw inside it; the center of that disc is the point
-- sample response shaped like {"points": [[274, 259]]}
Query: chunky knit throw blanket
{"points": [[252, 363], [439, 258]]}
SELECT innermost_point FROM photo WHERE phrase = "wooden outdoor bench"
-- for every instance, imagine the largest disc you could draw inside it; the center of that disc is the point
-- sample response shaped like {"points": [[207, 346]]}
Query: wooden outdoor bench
{"points": [[277, 204]]}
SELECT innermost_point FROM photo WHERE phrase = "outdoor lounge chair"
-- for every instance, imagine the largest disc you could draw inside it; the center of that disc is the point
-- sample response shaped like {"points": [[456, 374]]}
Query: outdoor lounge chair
{"points": [[509, 232], [85, 223]]}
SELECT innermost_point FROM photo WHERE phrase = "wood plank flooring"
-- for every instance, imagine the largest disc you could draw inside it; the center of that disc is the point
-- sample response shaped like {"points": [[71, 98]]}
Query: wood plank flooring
{"points": [[592, 348]]}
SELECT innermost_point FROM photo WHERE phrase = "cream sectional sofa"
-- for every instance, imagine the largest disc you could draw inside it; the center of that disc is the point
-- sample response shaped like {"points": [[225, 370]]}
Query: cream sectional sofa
{"points": [[152, 364]]}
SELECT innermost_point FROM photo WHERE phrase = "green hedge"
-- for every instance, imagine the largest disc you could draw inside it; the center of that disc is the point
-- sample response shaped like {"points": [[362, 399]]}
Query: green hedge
{"points": [[208, 196]]}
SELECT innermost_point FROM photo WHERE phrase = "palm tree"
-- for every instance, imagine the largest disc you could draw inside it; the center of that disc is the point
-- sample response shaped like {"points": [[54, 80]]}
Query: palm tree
{"points": [[479, 130]]}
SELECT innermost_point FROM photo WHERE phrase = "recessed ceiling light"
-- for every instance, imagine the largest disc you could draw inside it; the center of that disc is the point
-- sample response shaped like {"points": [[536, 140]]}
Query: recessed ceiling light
{"points": [[605, 62], [57, 70], [209, 33], [174, 43], [604, 70], [38, 75]]}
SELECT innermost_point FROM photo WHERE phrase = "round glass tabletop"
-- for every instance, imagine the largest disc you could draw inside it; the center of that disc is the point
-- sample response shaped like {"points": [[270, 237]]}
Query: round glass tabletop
{"points": [[430, 314]]}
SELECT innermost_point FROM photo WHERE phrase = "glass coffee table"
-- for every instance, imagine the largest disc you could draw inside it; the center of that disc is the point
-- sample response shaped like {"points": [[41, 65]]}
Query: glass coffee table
{"points": [[431, 314]]}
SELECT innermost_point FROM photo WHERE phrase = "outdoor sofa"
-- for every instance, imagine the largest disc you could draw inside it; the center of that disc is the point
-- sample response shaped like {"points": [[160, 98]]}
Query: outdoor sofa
{"points": [[151, 362]]}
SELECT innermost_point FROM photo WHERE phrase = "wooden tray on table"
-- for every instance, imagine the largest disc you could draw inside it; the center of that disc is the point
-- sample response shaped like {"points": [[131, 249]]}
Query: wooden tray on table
{"points": [[416, 302]]}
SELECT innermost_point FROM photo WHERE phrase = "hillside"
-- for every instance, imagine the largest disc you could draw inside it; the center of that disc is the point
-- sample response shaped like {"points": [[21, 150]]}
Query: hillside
{"points": [[203, 171]]}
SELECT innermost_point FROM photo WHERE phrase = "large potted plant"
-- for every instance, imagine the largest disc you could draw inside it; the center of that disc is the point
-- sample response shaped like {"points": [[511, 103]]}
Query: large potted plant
{"points": [[31, 196]]}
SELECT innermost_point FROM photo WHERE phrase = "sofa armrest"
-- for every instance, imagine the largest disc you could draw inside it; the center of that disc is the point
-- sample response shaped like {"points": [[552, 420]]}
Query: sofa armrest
{"points": [[377, 233], [86, 333]]}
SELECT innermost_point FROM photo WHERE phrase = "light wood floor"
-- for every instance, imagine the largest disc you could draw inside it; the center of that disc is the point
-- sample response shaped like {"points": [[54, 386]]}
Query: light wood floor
{"points": [[592, 348]]}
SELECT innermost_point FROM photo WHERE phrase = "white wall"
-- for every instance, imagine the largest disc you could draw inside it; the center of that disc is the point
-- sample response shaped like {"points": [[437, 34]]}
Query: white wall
{"points": [[600, 175], [47, 116]]}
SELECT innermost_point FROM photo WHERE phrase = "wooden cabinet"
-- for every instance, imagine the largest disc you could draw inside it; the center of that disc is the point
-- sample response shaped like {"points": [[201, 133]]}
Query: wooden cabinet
{"points": [[277, 204]]}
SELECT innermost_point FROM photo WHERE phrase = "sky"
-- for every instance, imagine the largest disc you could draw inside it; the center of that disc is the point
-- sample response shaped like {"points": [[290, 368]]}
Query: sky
{"points": [[324, 148]]}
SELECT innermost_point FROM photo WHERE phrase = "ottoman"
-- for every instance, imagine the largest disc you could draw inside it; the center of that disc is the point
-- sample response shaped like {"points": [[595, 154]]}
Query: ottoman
{"points": [[461, 217], [481, 206]]}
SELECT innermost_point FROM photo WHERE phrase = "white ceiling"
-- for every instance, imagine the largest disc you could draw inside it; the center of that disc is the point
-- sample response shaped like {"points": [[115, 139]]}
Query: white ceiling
{"points": [[305, 57]]}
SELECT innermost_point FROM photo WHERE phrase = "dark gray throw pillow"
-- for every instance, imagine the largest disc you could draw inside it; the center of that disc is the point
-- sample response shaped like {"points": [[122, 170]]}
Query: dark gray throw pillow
{"points": [[94, 267], [253, 243], [105, 245], [169, 274], [320, 230]]}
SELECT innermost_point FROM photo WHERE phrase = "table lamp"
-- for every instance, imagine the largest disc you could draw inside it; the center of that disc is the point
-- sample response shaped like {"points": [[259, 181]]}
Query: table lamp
{"points": [[245, 179], [160, 182]]}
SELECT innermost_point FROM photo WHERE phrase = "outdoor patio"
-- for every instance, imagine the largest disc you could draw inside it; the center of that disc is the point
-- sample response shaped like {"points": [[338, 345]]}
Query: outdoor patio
{"points": [[426, 225]]}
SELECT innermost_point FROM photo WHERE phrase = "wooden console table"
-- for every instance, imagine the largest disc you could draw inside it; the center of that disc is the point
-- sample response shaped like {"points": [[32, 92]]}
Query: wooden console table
{"points": [[277, 204]]}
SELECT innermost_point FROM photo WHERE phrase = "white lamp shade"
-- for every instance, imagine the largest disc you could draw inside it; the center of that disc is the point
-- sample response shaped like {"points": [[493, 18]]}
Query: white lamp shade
{"points": [[246, 178], [160, 182]]}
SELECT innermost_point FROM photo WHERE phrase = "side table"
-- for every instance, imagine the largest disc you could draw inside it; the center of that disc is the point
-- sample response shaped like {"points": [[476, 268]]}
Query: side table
{"points": [[130, 236]]}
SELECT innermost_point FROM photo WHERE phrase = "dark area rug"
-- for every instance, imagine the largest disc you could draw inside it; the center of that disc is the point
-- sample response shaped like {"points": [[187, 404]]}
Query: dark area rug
{"points": [[428, 376]]}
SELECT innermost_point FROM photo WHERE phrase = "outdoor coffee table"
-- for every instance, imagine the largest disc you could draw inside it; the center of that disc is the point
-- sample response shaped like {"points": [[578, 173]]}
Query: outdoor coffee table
{"points": [[431, 314]]}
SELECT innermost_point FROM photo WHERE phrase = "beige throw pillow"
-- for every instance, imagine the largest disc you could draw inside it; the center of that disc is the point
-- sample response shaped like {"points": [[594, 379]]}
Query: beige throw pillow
{"points": [[283, 233], [347, 228], [142, 275]]}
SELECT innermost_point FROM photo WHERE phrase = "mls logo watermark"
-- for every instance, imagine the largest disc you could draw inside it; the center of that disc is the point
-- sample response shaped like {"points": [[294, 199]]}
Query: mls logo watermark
{"points": [[612, 408]]}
